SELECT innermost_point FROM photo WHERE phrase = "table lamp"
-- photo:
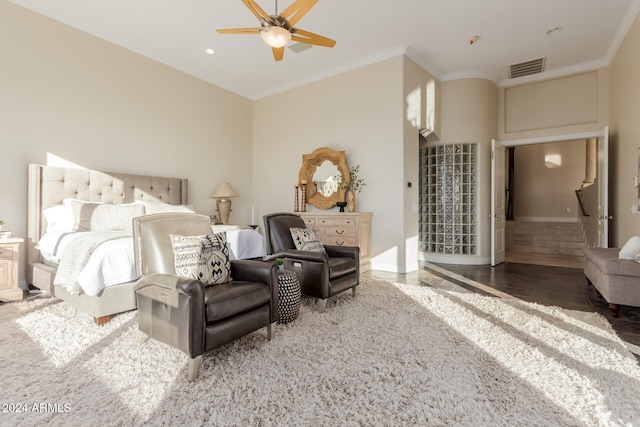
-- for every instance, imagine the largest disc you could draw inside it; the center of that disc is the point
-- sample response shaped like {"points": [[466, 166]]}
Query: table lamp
{"points": [[223, 192]]}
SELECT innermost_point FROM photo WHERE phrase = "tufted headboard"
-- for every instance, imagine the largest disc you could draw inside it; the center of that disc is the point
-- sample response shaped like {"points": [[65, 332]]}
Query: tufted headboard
{"points": [[50, 185]]}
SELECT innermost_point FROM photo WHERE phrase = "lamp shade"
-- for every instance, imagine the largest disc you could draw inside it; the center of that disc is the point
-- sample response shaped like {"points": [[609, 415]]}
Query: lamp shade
{"points": [[275, 36], [224, 190]]}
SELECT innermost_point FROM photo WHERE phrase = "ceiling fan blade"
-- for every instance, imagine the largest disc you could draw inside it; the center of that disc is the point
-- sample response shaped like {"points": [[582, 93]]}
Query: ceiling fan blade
{"points": [[257, 11], [278, 53], [307, 37], [297, 10], [239, 31]]}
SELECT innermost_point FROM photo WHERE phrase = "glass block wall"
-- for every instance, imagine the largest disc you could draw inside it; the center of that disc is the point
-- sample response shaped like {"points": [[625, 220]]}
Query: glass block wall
{"points": [[448, 196]]}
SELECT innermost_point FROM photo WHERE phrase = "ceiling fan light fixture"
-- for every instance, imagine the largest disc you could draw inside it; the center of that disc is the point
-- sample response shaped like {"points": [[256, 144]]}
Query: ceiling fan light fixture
{"points": [[275, 36]]}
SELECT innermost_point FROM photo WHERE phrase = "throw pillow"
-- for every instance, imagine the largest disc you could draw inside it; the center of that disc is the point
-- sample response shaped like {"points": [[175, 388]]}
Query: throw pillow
{"points": [[205, 258], [630, 249], [93, 216], [59, 218], [306, 239]]}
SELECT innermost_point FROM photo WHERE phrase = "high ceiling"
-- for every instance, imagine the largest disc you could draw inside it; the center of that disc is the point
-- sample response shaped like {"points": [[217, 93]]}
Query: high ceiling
{"points": [[434, 33]]}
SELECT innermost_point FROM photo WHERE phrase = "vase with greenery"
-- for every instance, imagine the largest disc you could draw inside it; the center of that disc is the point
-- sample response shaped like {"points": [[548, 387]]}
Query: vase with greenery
{"points": [[1, 222], [355, 185], [280, 263]]}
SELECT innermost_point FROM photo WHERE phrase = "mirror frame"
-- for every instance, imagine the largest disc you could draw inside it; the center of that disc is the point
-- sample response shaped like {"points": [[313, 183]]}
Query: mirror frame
{"points": [[310, 163]]}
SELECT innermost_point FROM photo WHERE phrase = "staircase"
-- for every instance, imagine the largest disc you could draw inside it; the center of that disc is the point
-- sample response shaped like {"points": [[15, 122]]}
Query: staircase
{"points": [[558, 242]]}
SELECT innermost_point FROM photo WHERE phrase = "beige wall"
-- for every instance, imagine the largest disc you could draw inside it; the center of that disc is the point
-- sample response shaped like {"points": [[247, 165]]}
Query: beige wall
{"points": [[469, 115], [559, 106], [67, 94], [360, 112], [543, 193], [421, 110], [625, 135]]}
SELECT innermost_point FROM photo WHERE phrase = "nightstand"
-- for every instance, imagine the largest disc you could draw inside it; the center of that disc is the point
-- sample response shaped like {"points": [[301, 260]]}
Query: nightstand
{"points": [[9, 260]]}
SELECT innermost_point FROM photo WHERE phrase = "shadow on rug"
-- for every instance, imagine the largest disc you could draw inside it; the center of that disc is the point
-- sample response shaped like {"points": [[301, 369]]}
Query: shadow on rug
{"points": [[395, 355]]}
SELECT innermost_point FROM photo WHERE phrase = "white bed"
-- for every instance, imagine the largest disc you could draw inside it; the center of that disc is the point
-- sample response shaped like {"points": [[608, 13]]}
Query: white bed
{"points": [[102, 285], [112, 261]]}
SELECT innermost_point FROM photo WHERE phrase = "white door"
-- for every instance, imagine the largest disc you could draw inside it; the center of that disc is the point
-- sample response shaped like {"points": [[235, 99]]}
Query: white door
{"points": [[498, 196], [602, 176]]}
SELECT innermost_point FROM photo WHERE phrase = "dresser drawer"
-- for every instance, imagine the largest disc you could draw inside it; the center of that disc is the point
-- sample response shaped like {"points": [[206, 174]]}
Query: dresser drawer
{"points": [[339, 241], [343, 229], [336, 222], [6, 252], [311, 222], [338, 231]]}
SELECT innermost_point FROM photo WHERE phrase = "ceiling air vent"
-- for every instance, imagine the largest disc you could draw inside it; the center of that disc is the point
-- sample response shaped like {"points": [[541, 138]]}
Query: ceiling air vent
{"points": [[534, 66]]}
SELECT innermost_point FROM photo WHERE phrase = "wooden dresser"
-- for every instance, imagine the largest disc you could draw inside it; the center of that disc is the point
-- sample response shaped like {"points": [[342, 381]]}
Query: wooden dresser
{"points": [[343, 229]]}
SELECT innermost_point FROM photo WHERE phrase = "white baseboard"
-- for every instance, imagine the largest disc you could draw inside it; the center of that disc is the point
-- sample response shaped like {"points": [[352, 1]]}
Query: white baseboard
{"points": [[546, 219], [454, 259]]}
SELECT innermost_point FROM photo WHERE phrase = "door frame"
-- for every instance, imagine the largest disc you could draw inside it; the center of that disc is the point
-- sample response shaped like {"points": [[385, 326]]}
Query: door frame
{"points": [[498, 205], [546, 139]]}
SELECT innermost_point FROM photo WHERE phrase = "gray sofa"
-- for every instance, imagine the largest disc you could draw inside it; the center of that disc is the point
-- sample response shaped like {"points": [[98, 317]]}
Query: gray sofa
{"points": [[617, 280]]}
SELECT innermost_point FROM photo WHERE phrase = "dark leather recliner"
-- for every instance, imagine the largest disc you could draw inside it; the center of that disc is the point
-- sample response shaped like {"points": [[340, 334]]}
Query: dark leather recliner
{"points": [[321, 275], [185, 313]]}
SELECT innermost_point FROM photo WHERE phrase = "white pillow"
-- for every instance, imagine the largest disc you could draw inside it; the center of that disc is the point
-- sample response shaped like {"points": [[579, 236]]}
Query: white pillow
{"points": [[630, 249], [159, 207], [90, 216], [59, 218]]}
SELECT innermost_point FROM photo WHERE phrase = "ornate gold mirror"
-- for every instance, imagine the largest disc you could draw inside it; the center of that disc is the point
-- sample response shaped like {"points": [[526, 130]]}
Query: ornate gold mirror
{"points": [[318, 172]]}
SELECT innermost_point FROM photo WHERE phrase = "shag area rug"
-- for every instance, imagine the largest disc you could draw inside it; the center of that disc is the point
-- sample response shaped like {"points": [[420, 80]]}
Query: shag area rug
{"points": [[396, 355]]}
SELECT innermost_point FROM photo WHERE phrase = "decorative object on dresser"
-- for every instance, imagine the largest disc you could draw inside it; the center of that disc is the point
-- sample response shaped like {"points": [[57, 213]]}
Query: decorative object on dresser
{"points": [[352, 186], [351, 200], [303, 203], [9, 261], [317, 176], [343, 229], [296, 201], [323, 270], [223, 192], [4, 234]]}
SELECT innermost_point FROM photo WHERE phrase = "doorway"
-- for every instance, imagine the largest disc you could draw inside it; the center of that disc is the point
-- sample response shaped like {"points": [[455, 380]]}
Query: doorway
{"points": [[545, 225]]}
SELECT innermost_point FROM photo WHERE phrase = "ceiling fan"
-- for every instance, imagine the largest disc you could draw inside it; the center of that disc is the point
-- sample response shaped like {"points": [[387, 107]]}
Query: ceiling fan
{"points": [[278, 30]]}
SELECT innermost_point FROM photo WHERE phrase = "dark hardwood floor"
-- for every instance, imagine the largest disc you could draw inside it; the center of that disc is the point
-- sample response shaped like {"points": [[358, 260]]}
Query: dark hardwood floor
{"points": [[559, 286]]}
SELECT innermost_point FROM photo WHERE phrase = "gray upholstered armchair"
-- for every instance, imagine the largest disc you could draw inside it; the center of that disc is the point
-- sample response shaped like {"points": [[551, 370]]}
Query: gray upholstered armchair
{"points": [[185, 313], [321, 274]]}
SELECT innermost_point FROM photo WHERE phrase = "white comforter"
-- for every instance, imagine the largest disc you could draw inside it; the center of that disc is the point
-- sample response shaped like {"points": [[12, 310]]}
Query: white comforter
{"points": [[112, 262]]}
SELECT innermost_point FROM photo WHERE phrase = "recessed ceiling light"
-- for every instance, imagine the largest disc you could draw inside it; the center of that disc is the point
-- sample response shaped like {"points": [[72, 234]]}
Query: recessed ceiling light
{"points": [[553, 30], [209, 51]]}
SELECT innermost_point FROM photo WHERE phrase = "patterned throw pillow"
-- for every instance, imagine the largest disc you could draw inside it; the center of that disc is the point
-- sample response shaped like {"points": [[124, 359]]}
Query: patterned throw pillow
{"points": [[306, 239], [205, 258]]}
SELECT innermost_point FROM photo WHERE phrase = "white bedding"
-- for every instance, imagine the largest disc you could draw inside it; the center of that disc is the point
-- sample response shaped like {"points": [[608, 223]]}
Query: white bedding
{"points": [[243, 243], [112, 262]]}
